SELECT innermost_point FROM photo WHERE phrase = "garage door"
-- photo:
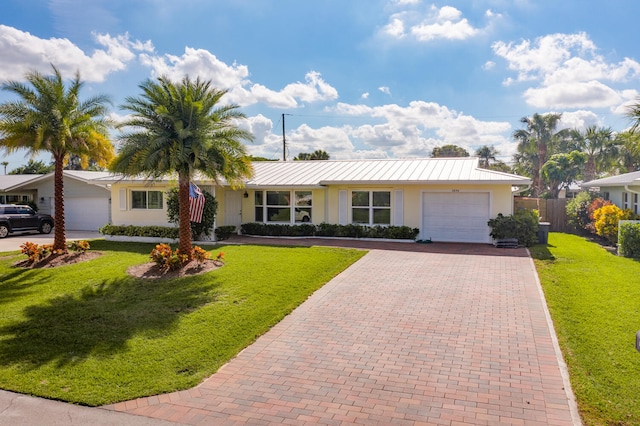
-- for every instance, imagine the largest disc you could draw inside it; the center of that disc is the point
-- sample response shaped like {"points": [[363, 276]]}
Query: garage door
{"points": [[86, 214], [456, 216]]}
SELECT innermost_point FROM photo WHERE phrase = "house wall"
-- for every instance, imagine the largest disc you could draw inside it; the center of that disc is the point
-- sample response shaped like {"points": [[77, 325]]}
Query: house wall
{"points": [[73, 188], [319, 207], [500, 195], [616, 195], [123, 214]]}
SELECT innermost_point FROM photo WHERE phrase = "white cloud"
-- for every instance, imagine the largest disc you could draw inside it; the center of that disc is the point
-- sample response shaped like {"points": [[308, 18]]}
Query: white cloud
{"points": [[434, 23], [365, 95], [21, 52], [385, 90], [202, 63], [489, 65], [568, 71]]}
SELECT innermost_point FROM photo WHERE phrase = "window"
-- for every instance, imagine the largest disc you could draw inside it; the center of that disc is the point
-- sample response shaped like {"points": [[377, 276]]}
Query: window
{"points": [[276, 206], [625, 200], [605, 196], [371, 207], [635, 203], [146, 200]]}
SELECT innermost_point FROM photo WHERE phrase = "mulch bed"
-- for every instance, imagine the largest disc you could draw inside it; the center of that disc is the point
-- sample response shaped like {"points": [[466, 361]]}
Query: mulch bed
{"points": [[152, 270], [55, 260]]}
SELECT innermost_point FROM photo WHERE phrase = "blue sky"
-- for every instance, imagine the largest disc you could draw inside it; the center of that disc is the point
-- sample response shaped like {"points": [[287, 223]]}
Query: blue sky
{"points": [[357, 78]]}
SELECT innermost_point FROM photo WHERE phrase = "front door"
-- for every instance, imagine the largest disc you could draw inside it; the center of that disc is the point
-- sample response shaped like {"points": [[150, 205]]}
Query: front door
{"points": [[233, 208]]}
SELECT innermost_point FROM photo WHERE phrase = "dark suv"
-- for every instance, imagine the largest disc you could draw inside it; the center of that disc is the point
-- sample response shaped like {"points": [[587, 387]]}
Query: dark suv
{"points": [[14, 218]]}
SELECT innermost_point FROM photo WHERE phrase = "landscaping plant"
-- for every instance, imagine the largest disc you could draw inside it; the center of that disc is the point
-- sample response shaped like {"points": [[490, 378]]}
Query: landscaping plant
{"points": [[606, 220]]}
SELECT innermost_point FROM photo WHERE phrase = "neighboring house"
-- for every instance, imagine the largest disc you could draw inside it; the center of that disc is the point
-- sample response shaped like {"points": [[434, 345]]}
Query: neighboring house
{"points": [[570, 192], [86, 204], [448, 199], [622, 190]]}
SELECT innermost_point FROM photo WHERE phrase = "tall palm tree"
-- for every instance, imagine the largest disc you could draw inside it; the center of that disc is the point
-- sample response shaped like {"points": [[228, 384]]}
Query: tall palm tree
{"points": [[179, 127], [536, 143], [49, 117], [598, 146], [486, 154], [628, 151]]}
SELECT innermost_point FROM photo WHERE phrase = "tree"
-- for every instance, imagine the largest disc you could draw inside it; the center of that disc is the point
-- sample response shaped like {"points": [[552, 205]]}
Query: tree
{"points": [[5, 164], [598, 146], [33, 168], [449, 151], [486, 154], [562, 170], [318, 154], [49, 117], [536, 143], [179, 127], [628, 151]]}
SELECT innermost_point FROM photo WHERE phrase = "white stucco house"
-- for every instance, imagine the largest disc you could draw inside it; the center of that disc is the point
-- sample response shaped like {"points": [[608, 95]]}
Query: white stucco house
{"points": [[86, 202], [623, 190], [447, 199]]}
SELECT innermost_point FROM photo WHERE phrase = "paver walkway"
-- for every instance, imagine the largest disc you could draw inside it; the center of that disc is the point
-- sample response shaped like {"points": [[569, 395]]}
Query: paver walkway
{"points": [[401, 337]]}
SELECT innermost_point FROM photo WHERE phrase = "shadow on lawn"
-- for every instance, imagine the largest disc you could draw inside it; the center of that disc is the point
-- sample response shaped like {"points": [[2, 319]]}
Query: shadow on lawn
{"points": [[100, 321]]}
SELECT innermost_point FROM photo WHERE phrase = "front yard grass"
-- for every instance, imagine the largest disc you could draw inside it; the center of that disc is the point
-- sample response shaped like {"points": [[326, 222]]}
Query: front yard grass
{"points": [[594, 299], [89, 333]]}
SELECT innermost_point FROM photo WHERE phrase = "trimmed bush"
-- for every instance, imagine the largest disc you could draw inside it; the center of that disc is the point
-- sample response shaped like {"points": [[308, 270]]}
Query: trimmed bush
{"points": [[140, 231], [629, 239], [224, 232], [330, 230], [523, 226]]}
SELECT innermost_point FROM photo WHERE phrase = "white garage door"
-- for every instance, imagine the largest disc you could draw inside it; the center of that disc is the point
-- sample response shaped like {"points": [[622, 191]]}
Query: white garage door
{"points": [[85, 214], [456, 216]]}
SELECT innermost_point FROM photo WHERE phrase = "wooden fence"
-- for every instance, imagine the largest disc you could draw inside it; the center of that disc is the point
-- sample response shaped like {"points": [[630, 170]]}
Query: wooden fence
{"points": [[552, 211]]}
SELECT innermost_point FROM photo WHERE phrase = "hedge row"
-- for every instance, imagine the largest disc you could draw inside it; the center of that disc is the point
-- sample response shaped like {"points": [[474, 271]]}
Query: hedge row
{"points": [[140, 231], [330, 230]]}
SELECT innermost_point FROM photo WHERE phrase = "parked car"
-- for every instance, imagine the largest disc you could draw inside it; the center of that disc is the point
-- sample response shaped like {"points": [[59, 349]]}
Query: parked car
{"points": [[16, 218]]}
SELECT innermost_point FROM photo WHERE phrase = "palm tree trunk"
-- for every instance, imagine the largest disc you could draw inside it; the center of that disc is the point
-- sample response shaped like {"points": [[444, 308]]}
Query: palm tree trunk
{"points": [[184, 244], [59, 237], [542, 158]]}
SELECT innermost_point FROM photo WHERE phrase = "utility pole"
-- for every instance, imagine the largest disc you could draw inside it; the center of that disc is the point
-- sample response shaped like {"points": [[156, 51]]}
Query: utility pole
{"points": [[284, 142]]}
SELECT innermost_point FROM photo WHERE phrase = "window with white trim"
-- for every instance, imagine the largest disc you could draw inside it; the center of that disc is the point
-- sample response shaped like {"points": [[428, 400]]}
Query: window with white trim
{"points": [[371, 207], [277, 206], [635, 203], [152, 200], [625, 200]]}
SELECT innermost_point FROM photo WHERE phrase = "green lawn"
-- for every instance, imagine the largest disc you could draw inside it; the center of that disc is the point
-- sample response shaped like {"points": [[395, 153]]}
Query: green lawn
{"points": [[88, 333], [594, 299]]}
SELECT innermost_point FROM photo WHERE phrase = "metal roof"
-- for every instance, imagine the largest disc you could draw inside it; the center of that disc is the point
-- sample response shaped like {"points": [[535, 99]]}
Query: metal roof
{"points": [[632, 178], [7, 182], [386, 171], [334, 172]]}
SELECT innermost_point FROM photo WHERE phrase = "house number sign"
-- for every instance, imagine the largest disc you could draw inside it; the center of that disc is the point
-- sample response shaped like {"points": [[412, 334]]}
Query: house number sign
{"points": [[455, 190]]}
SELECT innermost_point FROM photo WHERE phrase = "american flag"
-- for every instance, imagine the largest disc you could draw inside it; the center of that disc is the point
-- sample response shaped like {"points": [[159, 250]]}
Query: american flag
{"points": [[196, 203]]}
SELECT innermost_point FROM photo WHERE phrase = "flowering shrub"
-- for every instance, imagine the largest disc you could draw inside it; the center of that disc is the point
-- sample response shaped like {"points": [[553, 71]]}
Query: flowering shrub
{"points": [[220, 257], [79, 246], [200, 254], [596, 204], [168, 259], [606, 220], [36, 252]]}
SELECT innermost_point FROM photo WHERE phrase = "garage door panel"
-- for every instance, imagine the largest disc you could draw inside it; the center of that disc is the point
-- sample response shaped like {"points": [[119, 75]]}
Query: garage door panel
{"points": [[86, 214], [456, 217]]}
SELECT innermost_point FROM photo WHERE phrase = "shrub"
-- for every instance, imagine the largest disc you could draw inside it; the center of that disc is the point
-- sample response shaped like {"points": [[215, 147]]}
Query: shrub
{"points": [[199, 254], [79, 246], [606, 220], [595, 205], [224, 232], [629, 239], [166, 258], [522, 226], [578, 210], [140, 231], [330, 230], [208, 214]]}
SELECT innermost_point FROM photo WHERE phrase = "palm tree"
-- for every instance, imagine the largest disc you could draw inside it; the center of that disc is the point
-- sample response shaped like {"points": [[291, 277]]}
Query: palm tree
{"points": [[180, 128], [598, 146], [628, 151], [5, 164], [536, 144], [449, 151], [486, 153], [50, 117]]}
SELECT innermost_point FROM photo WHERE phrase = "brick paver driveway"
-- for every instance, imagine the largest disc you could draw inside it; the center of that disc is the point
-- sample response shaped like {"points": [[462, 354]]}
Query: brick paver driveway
{"points": [[401, 337]]}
